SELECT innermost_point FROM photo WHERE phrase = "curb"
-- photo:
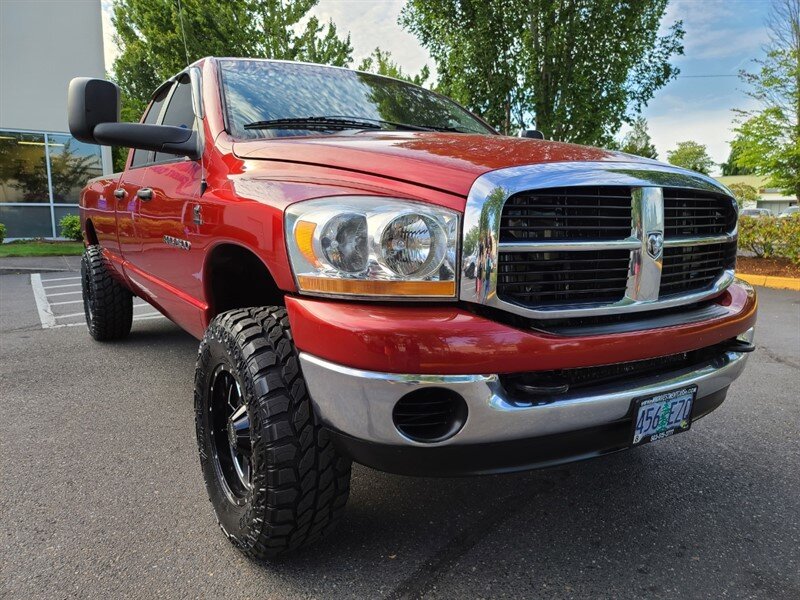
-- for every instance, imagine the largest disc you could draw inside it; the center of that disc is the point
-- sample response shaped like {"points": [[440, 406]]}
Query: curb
{"points": [[778, 283]]}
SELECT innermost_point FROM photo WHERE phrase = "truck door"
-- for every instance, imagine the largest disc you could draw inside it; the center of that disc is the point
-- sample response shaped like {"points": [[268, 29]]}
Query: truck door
{"points": [[165, 219], [125, 195]]}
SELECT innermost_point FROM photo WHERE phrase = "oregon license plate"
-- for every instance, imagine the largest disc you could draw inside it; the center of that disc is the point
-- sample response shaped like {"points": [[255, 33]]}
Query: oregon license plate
{"points": [[662, 415]]}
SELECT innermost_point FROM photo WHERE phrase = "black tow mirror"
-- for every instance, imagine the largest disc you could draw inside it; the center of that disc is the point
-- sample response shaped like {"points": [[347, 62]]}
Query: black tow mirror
{"points": [[531, 133], [91, 102], [93, 112]]}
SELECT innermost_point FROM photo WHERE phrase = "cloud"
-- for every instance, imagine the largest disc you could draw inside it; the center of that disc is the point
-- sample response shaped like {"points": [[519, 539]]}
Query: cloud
{"points": [[718, 29], [713, 128], [373, 24]]}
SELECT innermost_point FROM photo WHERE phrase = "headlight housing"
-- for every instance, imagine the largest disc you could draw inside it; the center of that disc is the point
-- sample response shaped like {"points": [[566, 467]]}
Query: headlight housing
{"points": [[373, 246]]}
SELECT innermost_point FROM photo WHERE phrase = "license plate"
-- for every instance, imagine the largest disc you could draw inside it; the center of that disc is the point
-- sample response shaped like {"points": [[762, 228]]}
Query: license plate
{"points": [[662, 415]]}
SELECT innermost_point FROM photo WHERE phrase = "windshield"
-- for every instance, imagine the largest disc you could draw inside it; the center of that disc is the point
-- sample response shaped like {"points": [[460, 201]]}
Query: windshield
{"points": [[259, 91]]}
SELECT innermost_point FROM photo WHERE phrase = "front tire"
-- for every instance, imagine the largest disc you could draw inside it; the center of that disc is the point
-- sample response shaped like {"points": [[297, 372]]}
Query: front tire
{"points": [[273, 477], [107, 304]]}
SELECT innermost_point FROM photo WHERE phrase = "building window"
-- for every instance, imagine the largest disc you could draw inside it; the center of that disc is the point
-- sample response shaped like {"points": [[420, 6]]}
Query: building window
{"points": [[41, 176]]}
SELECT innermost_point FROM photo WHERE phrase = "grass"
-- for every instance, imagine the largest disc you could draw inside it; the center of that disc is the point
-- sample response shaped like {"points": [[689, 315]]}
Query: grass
{"points": [[40, 248]]}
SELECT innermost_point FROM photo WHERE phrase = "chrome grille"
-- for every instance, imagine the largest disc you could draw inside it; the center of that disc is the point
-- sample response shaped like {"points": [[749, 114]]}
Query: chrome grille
{"points": [[692, 268], [563, 277], [694, 213], [537, 246], [567, 214]]}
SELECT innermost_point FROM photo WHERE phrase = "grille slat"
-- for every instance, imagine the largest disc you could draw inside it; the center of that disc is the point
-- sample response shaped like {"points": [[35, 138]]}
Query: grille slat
{"points": [[688, 269], [594, 213], [697, 213]]}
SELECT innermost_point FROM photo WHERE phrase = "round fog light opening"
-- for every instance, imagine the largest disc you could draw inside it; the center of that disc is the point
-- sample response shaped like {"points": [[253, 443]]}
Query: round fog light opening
{"points": [[430, 415]]}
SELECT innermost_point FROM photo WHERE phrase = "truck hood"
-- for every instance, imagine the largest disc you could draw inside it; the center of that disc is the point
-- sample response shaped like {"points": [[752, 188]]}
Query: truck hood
{"points": [[445, 161]]}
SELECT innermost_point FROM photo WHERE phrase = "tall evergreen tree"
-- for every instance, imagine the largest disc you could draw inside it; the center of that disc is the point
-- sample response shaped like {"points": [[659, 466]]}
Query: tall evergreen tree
{"points": [[577, 69]]}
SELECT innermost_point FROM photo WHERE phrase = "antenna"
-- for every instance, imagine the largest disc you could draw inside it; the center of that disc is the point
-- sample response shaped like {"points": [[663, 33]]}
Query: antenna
{"points": [[203, 182], [183, 32]]}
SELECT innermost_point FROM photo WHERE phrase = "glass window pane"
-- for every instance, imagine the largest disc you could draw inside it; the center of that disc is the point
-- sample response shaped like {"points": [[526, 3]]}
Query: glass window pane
{"points": [[179, 113], [142, 157], [258, 90], [26, 221], [23, 172], [72, 164]]}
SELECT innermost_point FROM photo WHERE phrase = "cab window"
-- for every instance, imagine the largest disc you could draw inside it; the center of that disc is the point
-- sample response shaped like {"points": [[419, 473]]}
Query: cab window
{"points": [[142, 157], [179, 113]]}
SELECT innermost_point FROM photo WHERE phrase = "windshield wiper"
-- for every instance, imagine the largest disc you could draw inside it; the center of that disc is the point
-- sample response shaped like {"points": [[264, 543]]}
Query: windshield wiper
{"points": [[323, 123], [341, 123]]}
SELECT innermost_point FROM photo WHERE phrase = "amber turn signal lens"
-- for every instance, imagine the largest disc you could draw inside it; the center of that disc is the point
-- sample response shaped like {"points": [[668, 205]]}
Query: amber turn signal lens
{"points": [[376, 287], [304, 237]]}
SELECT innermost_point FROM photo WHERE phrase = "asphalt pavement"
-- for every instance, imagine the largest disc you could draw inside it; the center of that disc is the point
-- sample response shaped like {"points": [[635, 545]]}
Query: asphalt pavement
{"points": [[102, 495]]}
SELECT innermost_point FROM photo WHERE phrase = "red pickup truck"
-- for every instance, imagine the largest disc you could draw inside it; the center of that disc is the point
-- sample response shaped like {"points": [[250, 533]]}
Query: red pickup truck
{"points": [[377, 276]]}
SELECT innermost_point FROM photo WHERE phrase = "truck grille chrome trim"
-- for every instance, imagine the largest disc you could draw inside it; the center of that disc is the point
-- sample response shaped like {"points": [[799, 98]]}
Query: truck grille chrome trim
{"points": [[513, 242]]}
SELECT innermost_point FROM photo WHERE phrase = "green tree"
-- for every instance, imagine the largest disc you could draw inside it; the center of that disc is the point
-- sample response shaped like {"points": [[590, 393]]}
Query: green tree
{"points": [[151, 43], [691, 155], [744, 193], [577, 69], [731, 166], [768, 138], [381, 63], [637, 141]]}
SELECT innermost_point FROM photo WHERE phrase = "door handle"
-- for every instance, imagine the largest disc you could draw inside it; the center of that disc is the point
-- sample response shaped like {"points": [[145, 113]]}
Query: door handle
{"points": [[145, 194], [119, 193]]}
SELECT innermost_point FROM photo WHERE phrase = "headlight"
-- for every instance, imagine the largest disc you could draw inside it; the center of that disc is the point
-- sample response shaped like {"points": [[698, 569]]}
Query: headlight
{"points": [[373, 246]]}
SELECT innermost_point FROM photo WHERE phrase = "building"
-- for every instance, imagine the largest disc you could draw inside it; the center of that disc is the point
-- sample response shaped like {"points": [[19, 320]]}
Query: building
{"points": [[770, 198], [44, 44]]}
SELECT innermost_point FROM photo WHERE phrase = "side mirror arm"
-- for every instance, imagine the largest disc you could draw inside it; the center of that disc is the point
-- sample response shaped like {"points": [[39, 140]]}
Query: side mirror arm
{"points": [[159, 138]]}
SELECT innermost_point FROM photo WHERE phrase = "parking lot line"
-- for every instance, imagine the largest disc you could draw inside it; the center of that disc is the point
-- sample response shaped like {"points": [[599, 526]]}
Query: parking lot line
{"points": [[50, 319], [62, 285], [42, 306], [80, 314]]}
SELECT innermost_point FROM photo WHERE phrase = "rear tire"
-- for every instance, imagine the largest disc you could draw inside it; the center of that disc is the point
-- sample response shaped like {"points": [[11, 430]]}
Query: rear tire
{"points": [[108, 304], [272, 475]]}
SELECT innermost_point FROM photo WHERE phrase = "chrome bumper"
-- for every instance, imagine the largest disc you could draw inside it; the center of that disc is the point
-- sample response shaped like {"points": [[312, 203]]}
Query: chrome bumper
{"points": [[359, 403]]}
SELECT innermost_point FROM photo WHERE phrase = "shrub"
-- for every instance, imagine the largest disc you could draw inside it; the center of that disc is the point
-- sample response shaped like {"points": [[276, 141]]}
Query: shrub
{"points": [[771, 237], [2, 233], [71, 227]]}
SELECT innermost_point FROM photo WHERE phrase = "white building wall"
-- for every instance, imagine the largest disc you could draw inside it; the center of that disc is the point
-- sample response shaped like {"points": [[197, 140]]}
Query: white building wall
{"points": [[44, 44]]}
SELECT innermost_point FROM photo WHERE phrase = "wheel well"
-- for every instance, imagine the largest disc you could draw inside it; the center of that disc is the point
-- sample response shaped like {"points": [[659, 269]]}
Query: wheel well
{"points": [[236, 278], [91, 234]]}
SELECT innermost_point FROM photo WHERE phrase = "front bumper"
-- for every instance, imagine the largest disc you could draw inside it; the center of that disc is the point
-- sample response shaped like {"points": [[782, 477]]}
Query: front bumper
{"points": [[359, 359], [499, 434]]}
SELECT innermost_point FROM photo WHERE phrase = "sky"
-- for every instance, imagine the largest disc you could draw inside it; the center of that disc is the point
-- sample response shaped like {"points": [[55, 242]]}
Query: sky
{"points": [[722, 37]]}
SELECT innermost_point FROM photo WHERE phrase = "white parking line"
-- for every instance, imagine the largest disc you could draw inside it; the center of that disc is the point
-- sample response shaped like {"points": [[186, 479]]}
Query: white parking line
{"points": [[45, 312], [80, 314], [61, 285], [51, 320]]}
